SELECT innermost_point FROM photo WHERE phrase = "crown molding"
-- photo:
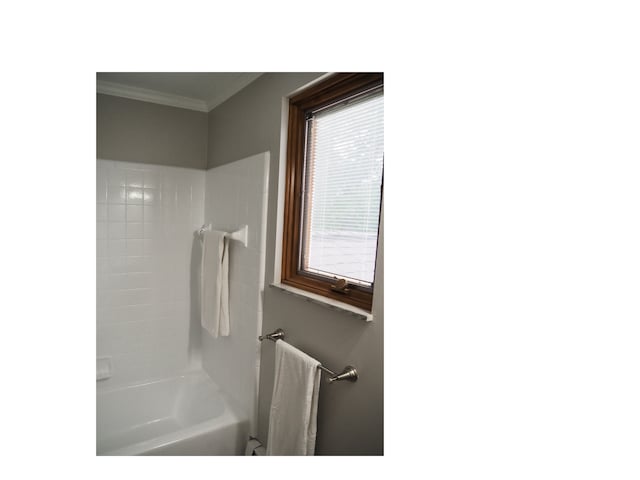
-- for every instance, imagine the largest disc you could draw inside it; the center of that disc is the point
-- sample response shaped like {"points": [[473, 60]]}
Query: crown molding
{"points": [[153, 96]]}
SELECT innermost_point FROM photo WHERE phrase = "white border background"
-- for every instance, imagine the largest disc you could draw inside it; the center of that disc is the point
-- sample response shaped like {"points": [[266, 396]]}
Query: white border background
{"points": [[511, 195]]}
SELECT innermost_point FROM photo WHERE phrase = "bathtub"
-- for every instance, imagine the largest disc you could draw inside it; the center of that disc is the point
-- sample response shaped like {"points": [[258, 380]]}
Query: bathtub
{"points": [[184, 415]]}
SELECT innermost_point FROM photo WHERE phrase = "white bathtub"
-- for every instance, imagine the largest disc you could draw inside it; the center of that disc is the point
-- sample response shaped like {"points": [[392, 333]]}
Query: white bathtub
{"points": [[185, 415]]}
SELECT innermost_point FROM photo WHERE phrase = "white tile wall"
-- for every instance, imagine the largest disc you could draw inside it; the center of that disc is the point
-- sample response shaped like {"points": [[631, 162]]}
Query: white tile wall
{"points": [[237, 195], [146, 218], [148, 270]]}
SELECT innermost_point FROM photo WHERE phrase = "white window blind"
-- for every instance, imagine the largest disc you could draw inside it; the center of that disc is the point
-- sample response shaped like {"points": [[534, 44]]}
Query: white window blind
{"points": [[343, 169]]}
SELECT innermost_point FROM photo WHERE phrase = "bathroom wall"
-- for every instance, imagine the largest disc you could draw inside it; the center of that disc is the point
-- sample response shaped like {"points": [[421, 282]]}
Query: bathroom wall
{"points": [[143, 132], [236, 195], [146, 218], [350, 416], [135, 321]]}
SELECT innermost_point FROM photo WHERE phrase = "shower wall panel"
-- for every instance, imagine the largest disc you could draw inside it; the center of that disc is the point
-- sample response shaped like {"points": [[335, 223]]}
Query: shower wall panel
{"points": [[146, 217]]}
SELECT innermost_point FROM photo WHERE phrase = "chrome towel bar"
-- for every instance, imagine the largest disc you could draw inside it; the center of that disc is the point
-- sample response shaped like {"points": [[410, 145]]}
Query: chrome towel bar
{"points": [[348, 373]]}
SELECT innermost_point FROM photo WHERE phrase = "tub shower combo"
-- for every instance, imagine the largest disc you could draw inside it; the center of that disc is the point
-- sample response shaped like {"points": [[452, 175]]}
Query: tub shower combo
{"points": [[165, 386]]}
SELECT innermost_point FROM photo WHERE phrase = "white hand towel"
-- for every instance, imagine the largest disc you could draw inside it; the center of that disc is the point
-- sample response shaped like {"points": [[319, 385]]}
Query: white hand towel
{"points": [[294, 405], [214, 284]]}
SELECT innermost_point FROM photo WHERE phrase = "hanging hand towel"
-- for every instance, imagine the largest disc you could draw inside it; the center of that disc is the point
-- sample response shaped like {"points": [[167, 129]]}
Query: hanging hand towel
{"points": [[214, 284], [294, 405]]}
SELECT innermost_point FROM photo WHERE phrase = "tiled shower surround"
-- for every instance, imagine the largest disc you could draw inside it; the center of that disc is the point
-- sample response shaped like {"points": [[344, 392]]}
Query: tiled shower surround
{"points": [[148, 270], [146, 218]]}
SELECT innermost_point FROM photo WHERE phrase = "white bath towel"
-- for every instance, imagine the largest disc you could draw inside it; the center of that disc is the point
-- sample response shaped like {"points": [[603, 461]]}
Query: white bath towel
{"points": [[294, 405], [214, 284]]}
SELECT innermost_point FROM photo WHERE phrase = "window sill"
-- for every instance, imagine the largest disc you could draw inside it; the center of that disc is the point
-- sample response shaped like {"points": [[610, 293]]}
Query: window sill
{"points": [[325, 302]]}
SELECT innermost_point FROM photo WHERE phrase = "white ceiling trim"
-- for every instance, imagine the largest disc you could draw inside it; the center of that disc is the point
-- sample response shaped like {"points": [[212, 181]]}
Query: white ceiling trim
{"points": [[153, 96]]}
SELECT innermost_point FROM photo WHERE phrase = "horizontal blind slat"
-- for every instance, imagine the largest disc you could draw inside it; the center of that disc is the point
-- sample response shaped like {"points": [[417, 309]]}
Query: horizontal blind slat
{"points": [[345, 156]]}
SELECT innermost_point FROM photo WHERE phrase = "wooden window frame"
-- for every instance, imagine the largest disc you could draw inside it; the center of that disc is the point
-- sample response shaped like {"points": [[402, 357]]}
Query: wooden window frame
{"points": [[332, 90]]}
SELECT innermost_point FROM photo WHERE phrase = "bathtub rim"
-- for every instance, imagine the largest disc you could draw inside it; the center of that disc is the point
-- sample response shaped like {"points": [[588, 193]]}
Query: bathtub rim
{"points": [[156, 443], [232, 414]]}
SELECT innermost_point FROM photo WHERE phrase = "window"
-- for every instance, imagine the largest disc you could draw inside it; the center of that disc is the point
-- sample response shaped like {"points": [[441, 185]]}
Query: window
{"points": [[335, 152]]}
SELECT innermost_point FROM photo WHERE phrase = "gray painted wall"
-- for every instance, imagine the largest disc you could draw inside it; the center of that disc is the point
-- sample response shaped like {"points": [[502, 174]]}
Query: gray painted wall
{"points": [[135, 131], [350, 416]]}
